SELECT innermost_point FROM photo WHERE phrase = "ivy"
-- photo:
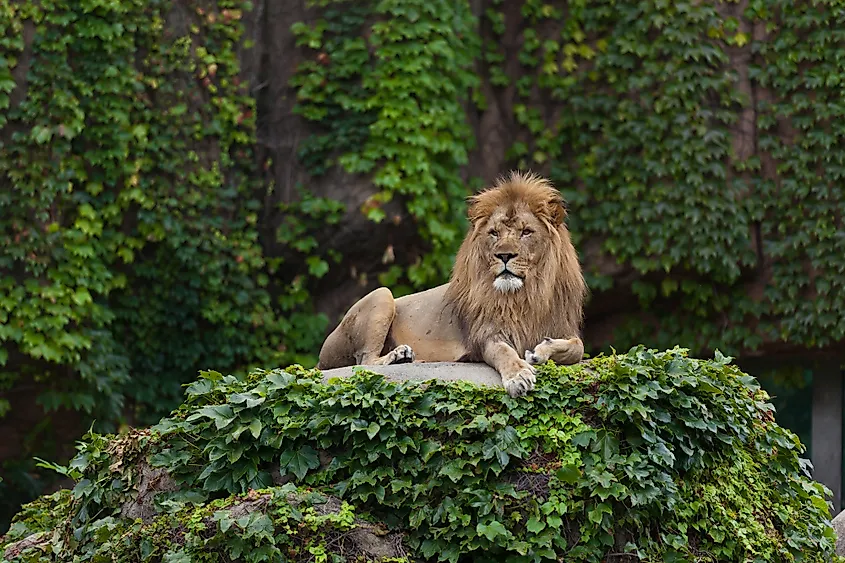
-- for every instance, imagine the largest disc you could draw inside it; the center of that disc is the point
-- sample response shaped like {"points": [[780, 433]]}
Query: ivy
{"points": [[131, 250], [802, 208], [391, 94], [649, 453], [646, 151], [286, 524]]}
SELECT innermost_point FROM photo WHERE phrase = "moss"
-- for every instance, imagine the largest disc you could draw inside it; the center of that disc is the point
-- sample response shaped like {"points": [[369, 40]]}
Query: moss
{"points": [[650, 453]]}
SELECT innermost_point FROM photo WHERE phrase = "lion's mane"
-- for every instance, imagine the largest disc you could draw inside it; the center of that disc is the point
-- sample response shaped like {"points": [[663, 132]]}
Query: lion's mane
{"points": [[550, 304]]}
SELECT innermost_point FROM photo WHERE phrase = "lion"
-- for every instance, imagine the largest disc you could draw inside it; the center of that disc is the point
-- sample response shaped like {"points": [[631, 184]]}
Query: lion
{"points": [[516, 285]]}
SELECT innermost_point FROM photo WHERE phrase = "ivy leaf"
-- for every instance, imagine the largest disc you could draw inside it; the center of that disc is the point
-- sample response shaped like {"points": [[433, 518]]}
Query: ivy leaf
{"points": [[606, 444], [255, 428], [492, 530], [299, 461], [428, 449], [535, 525], [41, 134], [251, 399], [454, 470], [595, 515], [659, 452], [583, 439], [568, 474], [503, 444], [280, 380], [222, 415]]}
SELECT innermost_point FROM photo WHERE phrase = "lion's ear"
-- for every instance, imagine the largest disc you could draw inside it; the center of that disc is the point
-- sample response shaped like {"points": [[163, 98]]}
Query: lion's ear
{"points": [[557, 209], [474, 211]]}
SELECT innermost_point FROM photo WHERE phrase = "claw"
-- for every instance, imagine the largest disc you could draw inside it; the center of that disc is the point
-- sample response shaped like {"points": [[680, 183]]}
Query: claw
{"points": [[521, 383]]}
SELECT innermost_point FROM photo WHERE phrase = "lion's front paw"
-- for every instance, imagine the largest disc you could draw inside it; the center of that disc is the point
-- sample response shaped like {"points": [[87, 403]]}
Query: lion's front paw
{"points": [[520, 383], [401, 355]]}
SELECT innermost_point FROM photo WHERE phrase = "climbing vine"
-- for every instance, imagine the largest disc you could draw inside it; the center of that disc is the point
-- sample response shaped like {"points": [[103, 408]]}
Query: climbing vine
{"points": [[130, 196], [636, 110], [699, 154], [132, 243], [389, 79]]}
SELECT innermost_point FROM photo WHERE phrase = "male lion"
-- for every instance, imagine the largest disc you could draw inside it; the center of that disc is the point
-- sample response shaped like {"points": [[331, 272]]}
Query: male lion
{"points": [[515, 284]]}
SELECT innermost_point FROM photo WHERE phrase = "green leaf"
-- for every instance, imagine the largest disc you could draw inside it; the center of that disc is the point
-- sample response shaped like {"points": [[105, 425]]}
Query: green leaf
{"points": [[535, 525], [280, 380], [222, 415], [42, 134], [595, 515], [583, 439], [605, 444], [492, 530], [255, 428], [299, 462], [454, 470], [568, 474], [428, 449], [505, 442], [660, 453]]}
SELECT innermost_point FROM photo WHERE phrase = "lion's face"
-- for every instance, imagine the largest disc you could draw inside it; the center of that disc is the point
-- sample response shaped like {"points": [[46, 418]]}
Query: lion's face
{"points": [[511, 243]]}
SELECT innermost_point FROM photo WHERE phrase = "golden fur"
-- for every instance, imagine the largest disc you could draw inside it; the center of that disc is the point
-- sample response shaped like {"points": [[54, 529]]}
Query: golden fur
{"points": [[516, 285], [552, 303]]}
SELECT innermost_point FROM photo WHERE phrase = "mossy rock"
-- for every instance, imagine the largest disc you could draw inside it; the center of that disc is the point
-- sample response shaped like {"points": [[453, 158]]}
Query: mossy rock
{"points": [[649, 456]]}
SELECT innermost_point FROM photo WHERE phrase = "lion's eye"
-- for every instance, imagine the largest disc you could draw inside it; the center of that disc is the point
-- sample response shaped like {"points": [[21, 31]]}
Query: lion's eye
{"points": [[526, 232], [494, 233]]}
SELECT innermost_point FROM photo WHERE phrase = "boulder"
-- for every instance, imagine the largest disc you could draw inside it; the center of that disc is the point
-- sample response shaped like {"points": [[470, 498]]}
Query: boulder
{"points": [[648, 455]]}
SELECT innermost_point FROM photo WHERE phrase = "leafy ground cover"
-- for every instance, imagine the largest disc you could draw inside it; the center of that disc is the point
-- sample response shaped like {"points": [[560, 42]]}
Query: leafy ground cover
{"points": [[648, 455]]}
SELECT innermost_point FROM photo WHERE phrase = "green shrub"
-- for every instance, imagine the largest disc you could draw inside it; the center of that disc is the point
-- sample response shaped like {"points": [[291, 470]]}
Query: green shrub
{"points": [[649, 453]]}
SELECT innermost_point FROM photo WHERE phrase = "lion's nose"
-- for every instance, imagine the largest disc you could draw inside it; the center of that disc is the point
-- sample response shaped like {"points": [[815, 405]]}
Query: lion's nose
{"points": [[504, 257]]}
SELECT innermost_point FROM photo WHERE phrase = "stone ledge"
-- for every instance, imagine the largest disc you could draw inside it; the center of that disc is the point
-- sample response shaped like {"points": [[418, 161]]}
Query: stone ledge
{"points": [[478, 373]]}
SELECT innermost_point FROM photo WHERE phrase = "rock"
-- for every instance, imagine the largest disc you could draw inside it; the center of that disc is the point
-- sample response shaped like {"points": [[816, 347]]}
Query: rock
{"points": [[152, 481], [839, 528], [478, 373]]}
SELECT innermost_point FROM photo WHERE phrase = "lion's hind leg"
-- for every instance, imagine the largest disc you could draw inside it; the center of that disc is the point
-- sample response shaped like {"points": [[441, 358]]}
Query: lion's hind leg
{"points": [[562, 351], [361, 336]]}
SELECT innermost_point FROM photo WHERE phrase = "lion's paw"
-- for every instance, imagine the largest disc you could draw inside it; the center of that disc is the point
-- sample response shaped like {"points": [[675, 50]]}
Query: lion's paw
{"points": [[540, 354], [402, 354], [521, 382], [533, 358]]}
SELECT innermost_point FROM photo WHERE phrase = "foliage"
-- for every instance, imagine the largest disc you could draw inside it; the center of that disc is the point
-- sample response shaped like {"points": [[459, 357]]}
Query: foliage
{"points": [[697, 154], [649, 453], [280, 524], [133, 249], [129, 212], [389, 79]]}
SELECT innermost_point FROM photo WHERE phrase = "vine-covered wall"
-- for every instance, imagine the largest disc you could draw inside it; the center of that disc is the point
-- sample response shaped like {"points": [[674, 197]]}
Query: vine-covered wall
{"points": [[696, 143], [130, 251], [183, 185]]}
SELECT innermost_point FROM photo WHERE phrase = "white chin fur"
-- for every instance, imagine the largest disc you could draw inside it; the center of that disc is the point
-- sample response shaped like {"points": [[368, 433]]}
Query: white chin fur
{"points": [[506, 284]]}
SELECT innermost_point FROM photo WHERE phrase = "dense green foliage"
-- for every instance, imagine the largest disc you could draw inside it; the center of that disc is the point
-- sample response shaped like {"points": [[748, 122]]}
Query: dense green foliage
{"points": [[659, 156], [650, 453], [636, 110], [132, 249], [391, 94], [129, 209]]}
